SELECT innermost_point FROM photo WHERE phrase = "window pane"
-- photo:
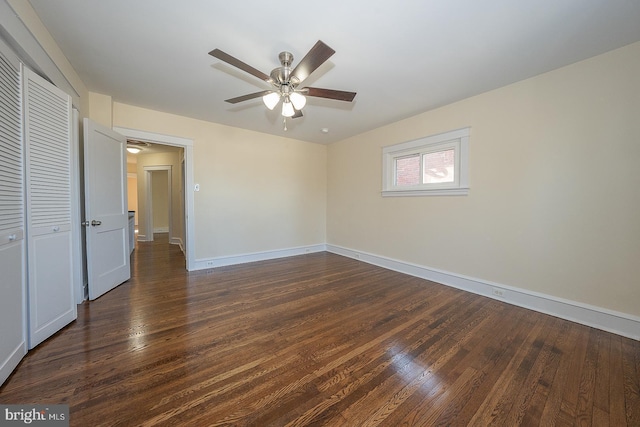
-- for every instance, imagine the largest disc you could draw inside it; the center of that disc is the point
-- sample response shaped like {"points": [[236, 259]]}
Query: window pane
{"points": [[408, 170], [438, 167]]}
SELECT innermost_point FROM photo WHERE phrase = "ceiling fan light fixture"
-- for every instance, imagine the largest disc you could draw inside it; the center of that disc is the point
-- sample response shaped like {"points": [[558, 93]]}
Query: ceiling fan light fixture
{"points": [[271, 100], [298, 100], [285, 79], [134, 150], [287, 108]]}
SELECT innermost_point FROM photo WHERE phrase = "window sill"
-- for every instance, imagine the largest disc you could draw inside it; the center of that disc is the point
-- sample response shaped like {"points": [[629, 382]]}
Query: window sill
{"points": [[434, 192]]}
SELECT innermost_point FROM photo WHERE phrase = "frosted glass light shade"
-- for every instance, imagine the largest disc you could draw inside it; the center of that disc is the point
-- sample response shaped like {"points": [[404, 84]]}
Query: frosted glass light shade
{"points": [[287, 109], [298, 100], [271, 100], [133, 150]]}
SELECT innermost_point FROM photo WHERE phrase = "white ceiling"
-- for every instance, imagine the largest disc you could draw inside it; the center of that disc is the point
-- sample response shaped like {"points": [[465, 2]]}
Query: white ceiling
{"points": [[401, 57]]}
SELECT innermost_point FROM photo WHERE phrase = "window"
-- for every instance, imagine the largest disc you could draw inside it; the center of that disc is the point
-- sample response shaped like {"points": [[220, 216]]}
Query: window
{"points": [[433, 166]]}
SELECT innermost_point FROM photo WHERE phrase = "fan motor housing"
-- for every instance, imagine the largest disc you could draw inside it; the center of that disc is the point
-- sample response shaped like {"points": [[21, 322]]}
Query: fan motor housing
{"points": [[286, 58], [281, 76]]}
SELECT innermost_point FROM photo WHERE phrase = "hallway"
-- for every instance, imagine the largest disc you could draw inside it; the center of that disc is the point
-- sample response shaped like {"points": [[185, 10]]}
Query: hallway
{"points": [[155, 259]]}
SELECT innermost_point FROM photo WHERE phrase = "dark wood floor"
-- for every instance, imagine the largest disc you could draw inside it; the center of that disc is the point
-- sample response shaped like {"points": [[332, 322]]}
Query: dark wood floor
{"points": [[321, 340]]}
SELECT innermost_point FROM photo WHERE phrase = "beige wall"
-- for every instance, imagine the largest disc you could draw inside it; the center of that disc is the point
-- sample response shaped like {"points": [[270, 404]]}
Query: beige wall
{"points": [[257, 193], [160, 200], [554, 205], [100, 109], [132, 188], [132, 195]]}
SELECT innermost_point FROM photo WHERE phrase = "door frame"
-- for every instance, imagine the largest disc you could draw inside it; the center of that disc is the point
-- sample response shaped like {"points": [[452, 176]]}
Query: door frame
{"points": [[189, 215], [148, 170]]}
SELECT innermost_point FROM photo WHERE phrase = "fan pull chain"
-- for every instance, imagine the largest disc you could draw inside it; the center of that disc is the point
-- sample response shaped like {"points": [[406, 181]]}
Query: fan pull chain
{"points": [[284, 122]]}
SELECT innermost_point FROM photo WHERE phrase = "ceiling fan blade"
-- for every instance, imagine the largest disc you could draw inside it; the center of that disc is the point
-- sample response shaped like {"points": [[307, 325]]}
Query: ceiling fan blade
{"points": [[340, 95], [217, 53], [248, 97], [318, 54]]}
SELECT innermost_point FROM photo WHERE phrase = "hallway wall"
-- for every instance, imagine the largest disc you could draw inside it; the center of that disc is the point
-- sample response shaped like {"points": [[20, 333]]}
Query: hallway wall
{"points": [[160, 201]]}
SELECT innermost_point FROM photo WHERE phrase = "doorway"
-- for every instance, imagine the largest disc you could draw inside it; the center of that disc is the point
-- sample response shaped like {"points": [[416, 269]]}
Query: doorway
{"points": [[159, 202], [186, 200]]}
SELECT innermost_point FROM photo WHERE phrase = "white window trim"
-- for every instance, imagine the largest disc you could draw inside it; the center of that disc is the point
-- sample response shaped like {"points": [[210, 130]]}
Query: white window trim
{"points": [[457, 139]]}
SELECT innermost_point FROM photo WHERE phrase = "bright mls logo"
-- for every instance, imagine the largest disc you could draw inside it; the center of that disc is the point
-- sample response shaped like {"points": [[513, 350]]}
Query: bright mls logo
{"points": [[38, 415]]}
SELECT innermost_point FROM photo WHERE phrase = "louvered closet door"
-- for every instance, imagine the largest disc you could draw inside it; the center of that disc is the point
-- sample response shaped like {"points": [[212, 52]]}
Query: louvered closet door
{"points": [[48, 180], [12, 299]]}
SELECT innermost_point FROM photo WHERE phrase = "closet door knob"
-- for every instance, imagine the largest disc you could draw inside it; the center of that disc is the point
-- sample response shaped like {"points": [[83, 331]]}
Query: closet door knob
{"points": [[96, 223]]}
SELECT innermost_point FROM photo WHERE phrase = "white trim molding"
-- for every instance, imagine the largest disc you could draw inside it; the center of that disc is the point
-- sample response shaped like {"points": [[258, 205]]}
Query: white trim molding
{"points": [[177, 241], [597, 317], [208, 263], [455, 140], [8, 365], [187, 144]]}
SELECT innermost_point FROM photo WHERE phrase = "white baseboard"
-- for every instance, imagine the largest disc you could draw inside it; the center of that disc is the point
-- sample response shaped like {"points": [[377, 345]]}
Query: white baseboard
{"points": [[607, 320], [142, 237], [177, 241], [203, 264], [10, 363]]}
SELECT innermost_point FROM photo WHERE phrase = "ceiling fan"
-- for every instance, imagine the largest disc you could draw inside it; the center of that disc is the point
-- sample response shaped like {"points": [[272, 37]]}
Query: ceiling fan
{"points": [[286, 81]]}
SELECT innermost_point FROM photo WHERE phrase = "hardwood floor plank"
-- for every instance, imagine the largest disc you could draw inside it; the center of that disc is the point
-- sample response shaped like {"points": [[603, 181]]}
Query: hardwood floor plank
{"points": [[584, 409], [493, 356], [411, 373], [545, 403], [601, 397], [374, 364], [569, 399], [524, 406], [320, 339], [421, 404], [617, 413], [631, 369], [501, 398]]}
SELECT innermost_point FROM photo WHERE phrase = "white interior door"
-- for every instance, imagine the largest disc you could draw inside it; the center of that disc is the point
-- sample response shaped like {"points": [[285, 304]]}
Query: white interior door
{"points": [[106, 214], [48, 172], [13, 343]]}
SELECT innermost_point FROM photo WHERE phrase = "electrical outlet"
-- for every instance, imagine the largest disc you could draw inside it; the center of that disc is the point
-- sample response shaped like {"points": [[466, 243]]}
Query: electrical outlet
{"points": [[498, 292], [209, 263]]}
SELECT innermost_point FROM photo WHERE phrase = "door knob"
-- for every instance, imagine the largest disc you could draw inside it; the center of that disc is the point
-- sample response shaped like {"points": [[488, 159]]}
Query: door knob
{"points": [[95, 223]]}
